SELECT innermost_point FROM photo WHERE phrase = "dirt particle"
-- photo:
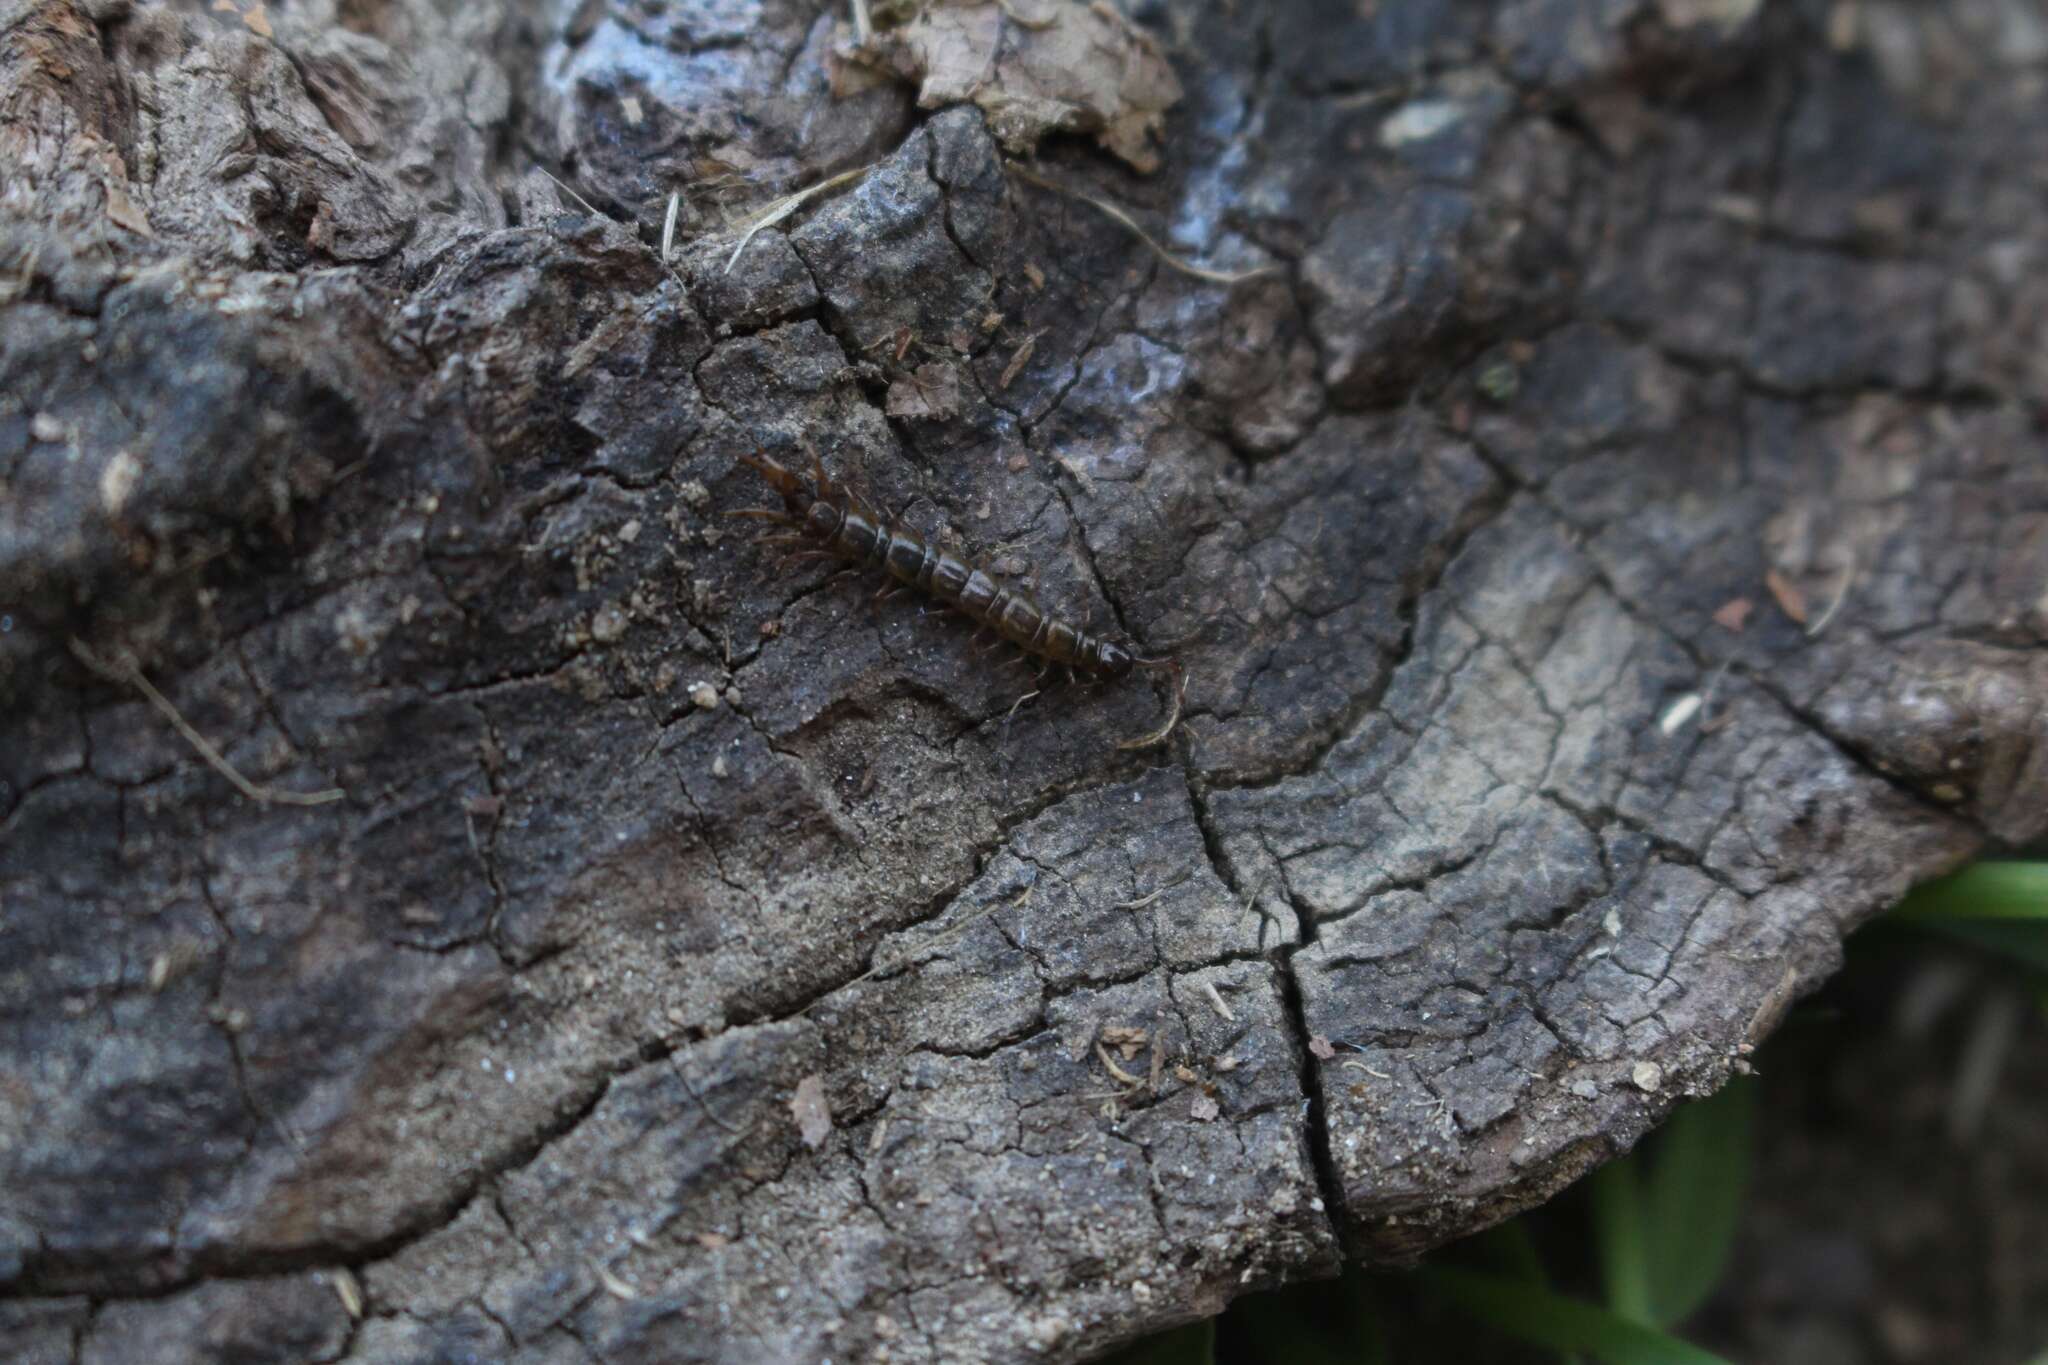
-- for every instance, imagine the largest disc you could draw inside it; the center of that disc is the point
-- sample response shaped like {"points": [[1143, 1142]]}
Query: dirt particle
{"points": [[704, 695], [48, 429], [613, 1285], [1648, 1077], [608, 624], [118, 480], [694, 493]]}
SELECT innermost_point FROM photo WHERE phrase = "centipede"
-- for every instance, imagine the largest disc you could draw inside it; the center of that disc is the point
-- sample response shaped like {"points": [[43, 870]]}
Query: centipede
{"points": [[829, 520]]}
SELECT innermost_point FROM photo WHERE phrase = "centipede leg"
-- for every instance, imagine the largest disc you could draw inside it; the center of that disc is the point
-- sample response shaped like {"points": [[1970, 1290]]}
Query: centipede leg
{"points": [[882, 596]]}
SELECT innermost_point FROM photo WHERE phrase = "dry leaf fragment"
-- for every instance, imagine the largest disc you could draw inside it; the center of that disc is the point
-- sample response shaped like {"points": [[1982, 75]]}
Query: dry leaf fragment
{"points": [[257, 21], [123, 211], [1786, 594], [1064, 67], [1321, 1047], [1733, 614], [813, 1115], [930, 390], [1125, 1039]]}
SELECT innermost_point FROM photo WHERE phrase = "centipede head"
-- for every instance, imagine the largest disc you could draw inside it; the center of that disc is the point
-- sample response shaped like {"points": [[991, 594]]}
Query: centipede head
{"points": [[1113, 659]]}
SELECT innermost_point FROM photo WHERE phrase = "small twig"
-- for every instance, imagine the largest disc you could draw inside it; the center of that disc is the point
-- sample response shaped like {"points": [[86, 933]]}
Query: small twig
{"points": [[1841, 595], [1116, 214], [565, 188], [1141, 902], [788, 204], [668, 225], [1109, 1064], [863, 27], [703, 1103], [125, 671]]}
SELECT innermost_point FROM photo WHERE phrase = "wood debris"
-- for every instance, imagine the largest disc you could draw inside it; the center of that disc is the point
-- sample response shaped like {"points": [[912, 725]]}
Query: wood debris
{"points": [[1787, 595], [813, 1115], [1733, 614]]}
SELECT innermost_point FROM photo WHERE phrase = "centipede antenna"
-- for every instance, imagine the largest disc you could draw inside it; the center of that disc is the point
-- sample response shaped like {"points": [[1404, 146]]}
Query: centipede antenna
{"points": [[1179, 691], [775, 514]]}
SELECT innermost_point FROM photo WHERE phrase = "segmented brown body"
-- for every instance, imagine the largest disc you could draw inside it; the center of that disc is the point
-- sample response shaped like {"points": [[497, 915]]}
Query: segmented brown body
{"points": [[838, 524]]}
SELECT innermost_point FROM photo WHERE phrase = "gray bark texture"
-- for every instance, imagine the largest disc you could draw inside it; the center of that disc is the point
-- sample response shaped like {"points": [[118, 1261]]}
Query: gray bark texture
{"points": [[1609, 549]]}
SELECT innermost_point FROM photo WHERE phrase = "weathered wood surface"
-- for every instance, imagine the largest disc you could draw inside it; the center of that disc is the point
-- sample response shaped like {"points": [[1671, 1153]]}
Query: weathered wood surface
{"points": [[398, 471]]}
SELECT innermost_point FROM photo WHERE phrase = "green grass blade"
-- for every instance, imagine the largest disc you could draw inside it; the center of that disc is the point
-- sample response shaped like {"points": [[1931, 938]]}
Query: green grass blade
{"points": [[1694, 1196], [2006, 890], [1546, 1319], [1310, 1324], [1368, 1329], [2019, 942], [1509, 1249], [1616, 1191]]}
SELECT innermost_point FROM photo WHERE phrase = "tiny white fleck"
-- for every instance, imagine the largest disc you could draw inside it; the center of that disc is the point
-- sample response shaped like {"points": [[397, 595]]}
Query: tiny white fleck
{"points": [[511, 1076], [1419, 119], [1681, 711]]}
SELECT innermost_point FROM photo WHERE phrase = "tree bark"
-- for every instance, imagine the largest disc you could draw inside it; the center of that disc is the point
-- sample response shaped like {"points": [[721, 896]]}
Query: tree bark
{"points": [[1608, 549]]}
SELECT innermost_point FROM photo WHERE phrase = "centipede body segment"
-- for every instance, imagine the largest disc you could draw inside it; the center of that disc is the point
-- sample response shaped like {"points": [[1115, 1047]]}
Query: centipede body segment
{"points": [[832, 522]]}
